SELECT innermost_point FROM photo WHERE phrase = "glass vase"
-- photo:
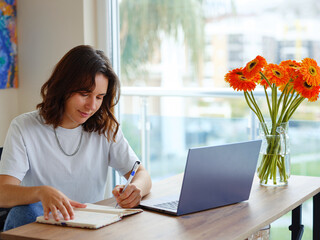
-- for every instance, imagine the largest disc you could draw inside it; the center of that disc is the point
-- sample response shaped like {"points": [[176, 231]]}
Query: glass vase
{"points": [[274, 159]]}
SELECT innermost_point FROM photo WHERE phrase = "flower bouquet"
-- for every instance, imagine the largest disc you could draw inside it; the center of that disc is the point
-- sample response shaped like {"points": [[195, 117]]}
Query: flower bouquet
{"points": [[285, 85]]}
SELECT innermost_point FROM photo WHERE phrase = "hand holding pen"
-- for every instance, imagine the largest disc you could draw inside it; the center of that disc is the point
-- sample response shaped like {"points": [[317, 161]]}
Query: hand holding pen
{"points": [[127, 198]]}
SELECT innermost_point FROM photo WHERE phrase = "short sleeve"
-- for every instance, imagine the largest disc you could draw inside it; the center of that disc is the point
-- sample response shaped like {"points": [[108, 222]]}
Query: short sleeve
{"points": [[121, 155], [14, 159]]}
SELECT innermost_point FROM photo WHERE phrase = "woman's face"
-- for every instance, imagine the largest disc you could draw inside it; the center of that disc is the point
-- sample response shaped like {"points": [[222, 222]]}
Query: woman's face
{"points": [[82, 105]]}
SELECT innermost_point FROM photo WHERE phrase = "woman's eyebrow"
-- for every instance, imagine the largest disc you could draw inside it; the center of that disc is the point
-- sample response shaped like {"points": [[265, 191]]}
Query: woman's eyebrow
{"points": [[102, 94]]}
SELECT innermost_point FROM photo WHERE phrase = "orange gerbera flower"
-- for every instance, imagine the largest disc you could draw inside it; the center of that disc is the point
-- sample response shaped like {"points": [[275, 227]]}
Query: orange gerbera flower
{"points": [[253, 67], [256, 78], [305, 90], [276, 74], [233, 73], [311, 71], [291, 66], [296, 76], [238, 81], [290, 63]]}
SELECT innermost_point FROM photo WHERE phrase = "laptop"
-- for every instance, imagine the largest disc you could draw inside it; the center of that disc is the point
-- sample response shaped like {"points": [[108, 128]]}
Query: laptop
{"points": [[214, 176]]}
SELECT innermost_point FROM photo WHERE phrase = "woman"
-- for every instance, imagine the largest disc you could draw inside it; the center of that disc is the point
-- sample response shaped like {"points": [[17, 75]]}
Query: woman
{"points": [[57, 157]]}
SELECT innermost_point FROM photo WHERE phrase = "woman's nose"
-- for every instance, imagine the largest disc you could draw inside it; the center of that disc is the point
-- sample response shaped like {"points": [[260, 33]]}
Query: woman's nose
{"points": [[91, 103]]}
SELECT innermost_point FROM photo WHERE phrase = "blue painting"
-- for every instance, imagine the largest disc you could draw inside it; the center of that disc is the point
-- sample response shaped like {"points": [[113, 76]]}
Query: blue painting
{"points": [[8, 44]]}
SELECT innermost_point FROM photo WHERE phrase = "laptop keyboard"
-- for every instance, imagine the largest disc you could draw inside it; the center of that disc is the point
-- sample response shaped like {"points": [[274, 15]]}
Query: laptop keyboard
{"points": [[169, 205]]}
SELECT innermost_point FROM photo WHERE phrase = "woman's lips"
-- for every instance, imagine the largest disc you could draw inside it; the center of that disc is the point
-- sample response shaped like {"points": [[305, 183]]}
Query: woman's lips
{"points": [[83, 114]]}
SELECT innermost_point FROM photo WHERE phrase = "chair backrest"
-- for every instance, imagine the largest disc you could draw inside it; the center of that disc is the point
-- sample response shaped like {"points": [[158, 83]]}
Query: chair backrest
{"points": [[3, 211]]}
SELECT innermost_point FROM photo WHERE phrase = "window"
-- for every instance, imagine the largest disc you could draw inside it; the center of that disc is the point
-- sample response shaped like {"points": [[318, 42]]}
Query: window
{"points": [[173, 58]]}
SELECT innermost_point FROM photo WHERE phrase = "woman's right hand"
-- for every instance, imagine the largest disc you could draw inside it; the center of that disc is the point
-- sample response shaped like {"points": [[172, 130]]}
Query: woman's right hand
{"points": [[54, 200]]}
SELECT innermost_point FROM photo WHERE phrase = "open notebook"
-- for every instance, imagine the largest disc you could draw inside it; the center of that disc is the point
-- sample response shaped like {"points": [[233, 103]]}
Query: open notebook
{"points": [[93, 216]]}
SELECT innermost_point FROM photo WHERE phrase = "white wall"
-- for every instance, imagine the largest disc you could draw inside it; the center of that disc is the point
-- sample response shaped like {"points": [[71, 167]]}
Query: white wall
{"points": [[8, 110], [47, 29]]}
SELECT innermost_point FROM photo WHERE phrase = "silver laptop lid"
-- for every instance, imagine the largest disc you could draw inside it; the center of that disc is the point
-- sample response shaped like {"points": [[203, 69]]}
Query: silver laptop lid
{"points": [[218, 175]]}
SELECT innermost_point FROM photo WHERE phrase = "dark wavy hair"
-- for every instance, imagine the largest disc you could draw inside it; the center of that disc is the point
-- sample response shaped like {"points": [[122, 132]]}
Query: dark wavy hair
{"points": [[76, 72]]}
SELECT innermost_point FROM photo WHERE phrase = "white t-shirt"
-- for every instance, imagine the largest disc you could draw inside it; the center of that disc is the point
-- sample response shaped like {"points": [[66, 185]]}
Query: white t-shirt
{"points": [[31, 154]]}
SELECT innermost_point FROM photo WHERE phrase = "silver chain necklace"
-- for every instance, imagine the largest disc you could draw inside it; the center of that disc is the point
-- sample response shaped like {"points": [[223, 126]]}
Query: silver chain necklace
{"points": [[78, 147]]}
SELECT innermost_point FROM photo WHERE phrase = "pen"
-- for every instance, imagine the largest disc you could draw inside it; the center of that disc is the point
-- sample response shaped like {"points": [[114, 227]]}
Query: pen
{"points": [[133, 172]]}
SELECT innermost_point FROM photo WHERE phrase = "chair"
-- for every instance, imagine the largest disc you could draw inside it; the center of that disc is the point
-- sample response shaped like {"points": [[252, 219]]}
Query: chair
{"points": [[3, 211]]}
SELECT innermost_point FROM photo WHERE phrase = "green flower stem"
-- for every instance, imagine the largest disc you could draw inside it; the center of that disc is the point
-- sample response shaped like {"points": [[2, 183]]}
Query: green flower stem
{"points": [[253, 105], [274, 108], [284, 93], [292, 98], [253, 100], [286, 103], [275, 97], [249, 104], [292, 107], [295, 107], [282, 169], [267, 98], [284, 96], [255, 108]]}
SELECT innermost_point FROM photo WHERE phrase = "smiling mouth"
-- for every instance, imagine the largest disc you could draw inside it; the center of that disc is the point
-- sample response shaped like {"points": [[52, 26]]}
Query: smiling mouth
{"points": [[84, 114]]}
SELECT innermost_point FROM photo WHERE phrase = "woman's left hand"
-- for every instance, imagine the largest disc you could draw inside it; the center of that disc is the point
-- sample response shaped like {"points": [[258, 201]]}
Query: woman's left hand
{"points": [[130, 198]]}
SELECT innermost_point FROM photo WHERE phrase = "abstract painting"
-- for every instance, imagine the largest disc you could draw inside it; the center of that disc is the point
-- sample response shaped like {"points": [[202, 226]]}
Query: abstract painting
{"points": [[8, 44]]}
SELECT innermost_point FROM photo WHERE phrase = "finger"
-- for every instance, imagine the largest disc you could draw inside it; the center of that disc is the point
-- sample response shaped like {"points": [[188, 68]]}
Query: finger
{"points": [[64, 212], [115, 193], [134, 198], [77, 204], [117, 190], [130, 204], [69, 209], [129, 190], [46, 213], [130, 198], [54, 213], [133, 204]]}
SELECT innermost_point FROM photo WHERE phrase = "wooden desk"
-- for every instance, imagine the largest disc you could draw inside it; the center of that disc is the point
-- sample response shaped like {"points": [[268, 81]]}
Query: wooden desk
{"points": [[233, 222]]}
